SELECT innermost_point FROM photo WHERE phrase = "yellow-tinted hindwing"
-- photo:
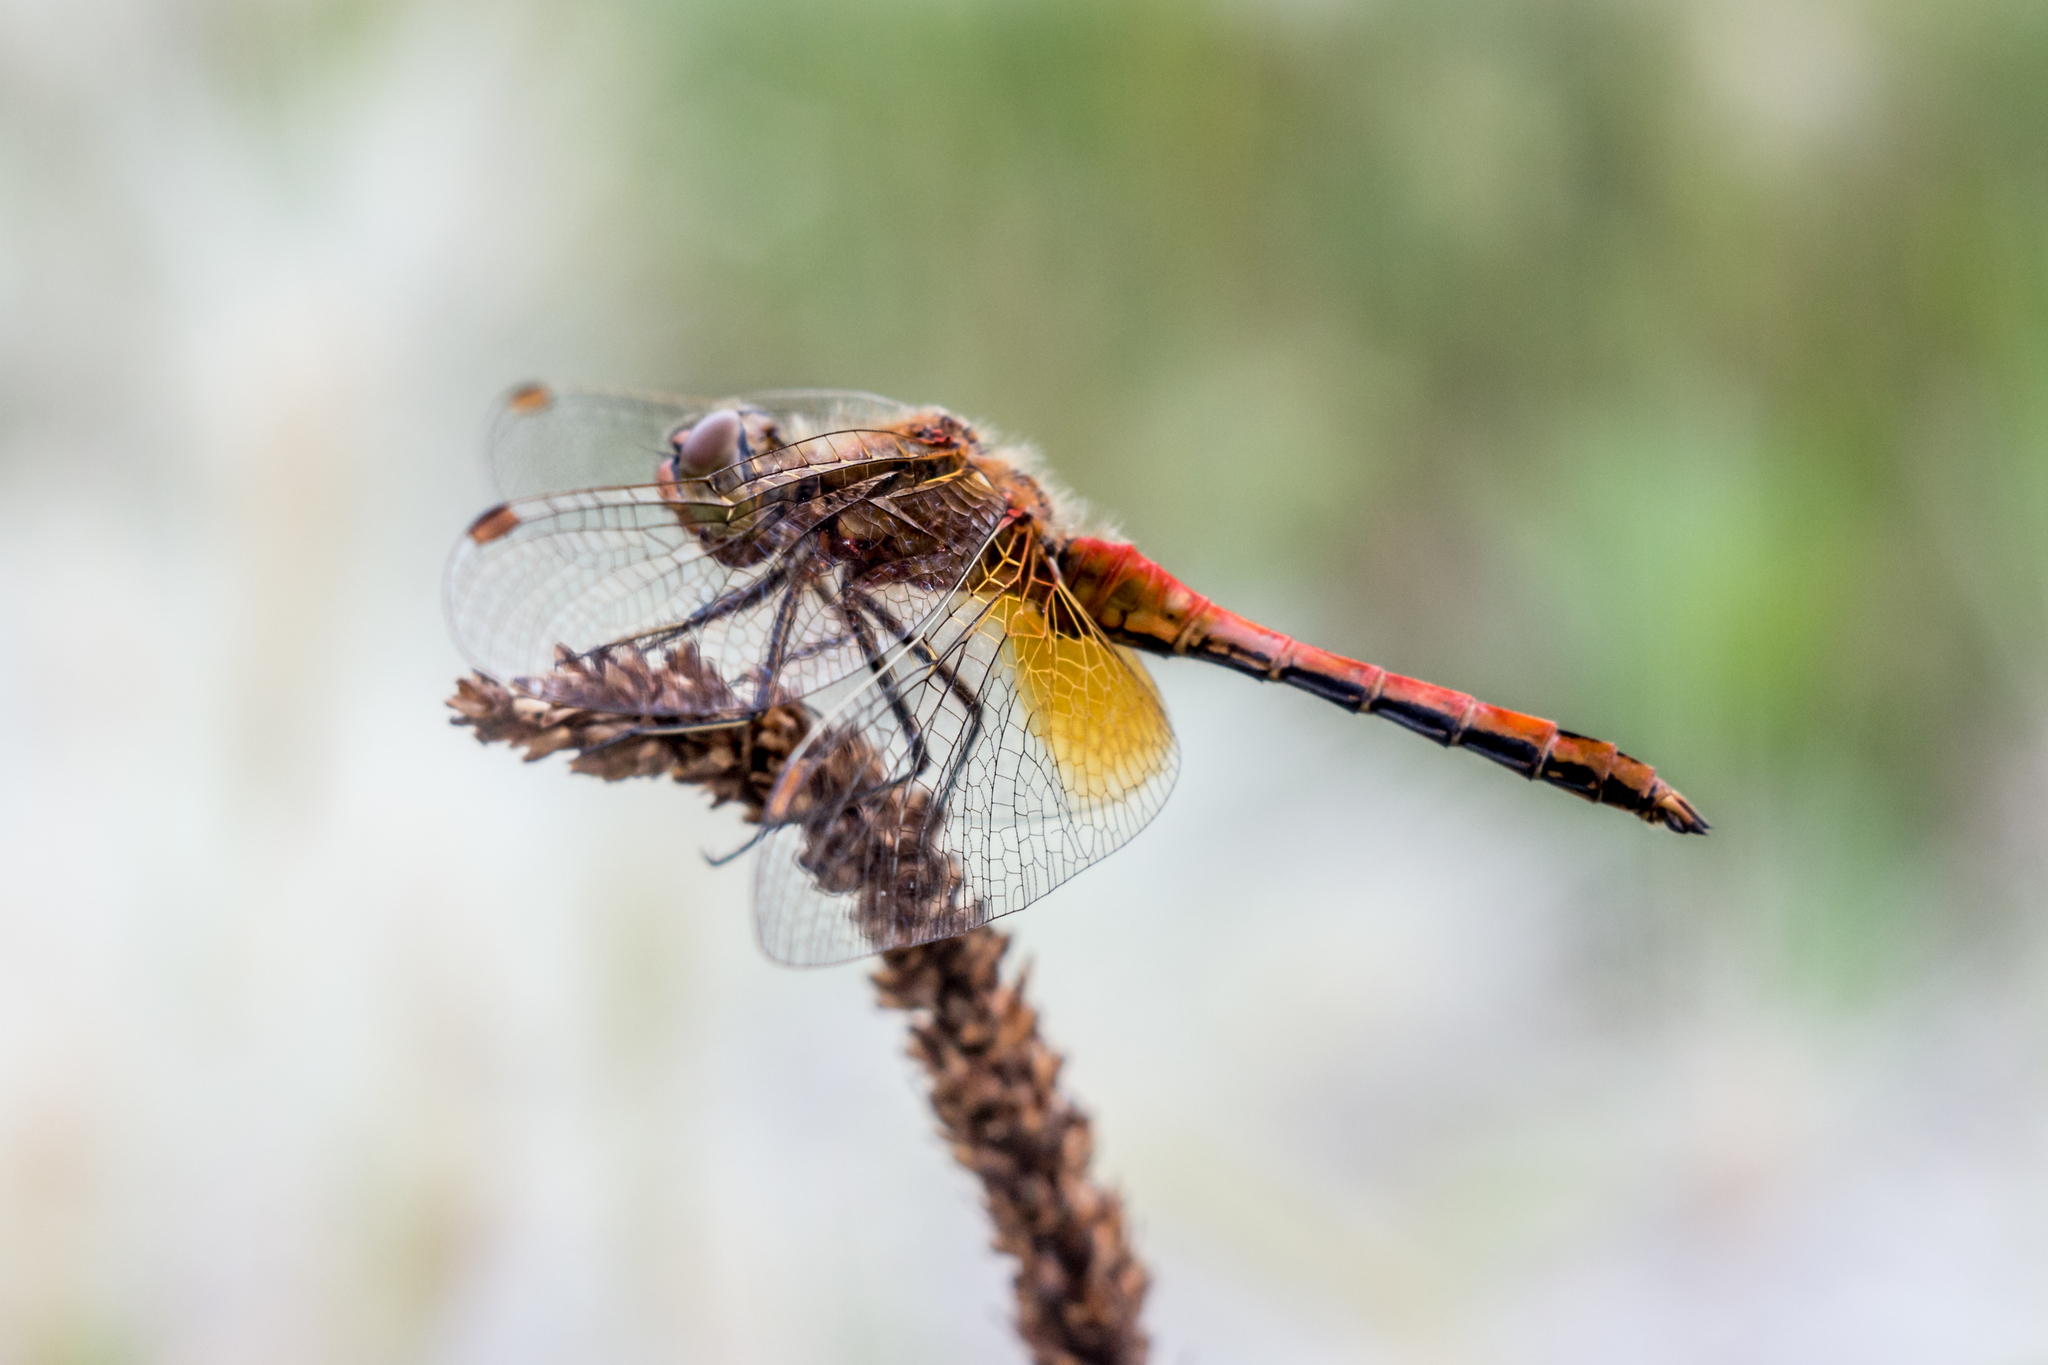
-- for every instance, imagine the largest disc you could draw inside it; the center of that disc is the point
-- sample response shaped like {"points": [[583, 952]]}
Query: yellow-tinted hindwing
{"points": [[1095, 711]]}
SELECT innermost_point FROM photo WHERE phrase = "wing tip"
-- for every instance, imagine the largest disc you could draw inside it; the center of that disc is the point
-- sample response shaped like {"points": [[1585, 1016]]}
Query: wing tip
{"points": [[493, 524], [532, 396]]}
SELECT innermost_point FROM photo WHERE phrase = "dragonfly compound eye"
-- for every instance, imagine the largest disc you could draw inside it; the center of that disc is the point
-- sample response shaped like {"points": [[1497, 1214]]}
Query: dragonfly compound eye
{"points": [[715, 442]]}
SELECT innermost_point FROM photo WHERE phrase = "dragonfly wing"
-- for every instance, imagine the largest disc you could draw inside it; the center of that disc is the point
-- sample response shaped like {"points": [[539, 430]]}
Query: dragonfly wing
{"points": [[1004, 749], [807, 412], [543, 439], [597, 568], [607, 577]]}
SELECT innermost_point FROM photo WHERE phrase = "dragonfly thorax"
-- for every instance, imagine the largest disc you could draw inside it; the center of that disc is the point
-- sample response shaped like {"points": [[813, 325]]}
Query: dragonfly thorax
{"points": [[1024, 494]]}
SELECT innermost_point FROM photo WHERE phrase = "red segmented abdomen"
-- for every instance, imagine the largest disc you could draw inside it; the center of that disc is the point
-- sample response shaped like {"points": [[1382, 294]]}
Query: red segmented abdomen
{"points": [[1142, 605]]}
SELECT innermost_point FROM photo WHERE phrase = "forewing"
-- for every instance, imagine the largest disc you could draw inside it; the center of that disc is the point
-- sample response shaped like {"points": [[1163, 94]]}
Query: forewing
{"points": [[1006, 749], [546, 590], [546, 440]]}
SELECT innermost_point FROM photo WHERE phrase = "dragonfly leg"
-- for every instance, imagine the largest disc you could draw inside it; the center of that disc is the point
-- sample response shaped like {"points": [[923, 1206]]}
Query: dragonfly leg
{"points": [[856, 608], [778, 647], [721, 859], [815, 648], [968, 700], [882, 666], [920, 758], [716, 609]]}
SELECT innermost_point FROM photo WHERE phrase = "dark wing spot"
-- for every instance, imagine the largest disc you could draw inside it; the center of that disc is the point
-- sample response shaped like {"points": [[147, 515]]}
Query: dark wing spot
{"points": [[493, 524], [529, 398]]}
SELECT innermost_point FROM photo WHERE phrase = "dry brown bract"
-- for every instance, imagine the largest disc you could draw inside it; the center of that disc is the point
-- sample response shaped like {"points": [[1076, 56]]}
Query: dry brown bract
{"points": [[994, 1081]]}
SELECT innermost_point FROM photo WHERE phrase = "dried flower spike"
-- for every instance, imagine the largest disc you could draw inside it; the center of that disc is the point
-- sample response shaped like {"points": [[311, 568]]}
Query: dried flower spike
{"points": [[995, 1088], [994, 1081]]}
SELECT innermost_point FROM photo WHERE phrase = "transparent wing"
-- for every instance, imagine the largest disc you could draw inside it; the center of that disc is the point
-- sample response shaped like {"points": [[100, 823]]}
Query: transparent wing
{"points": [[589, 597], [545, 440], [1004, 749]]}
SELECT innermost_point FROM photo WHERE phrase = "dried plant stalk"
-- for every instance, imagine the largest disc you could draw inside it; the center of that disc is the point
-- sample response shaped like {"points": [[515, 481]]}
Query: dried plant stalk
{"points": [[995, 1088], [994, 1080]]}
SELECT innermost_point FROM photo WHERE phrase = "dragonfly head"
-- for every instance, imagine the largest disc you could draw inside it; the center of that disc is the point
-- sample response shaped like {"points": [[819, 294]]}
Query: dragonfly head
{"points": [[717, 439]]}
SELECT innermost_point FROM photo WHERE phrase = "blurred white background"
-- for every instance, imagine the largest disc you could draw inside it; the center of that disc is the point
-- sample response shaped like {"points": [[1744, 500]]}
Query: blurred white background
{"points": [[328, 1036]]}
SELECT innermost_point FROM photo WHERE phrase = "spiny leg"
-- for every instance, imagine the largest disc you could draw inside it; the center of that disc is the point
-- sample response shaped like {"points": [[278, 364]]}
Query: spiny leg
{"points": [[817, 647], [713, 611], [968, 700], [778, 638], [854, 607], [798, 558], [717, 609], [880, 667]]}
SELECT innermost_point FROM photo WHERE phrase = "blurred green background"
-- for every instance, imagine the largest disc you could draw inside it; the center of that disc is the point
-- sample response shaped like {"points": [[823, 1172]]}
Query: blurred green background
{"points": [[1677, 370]]}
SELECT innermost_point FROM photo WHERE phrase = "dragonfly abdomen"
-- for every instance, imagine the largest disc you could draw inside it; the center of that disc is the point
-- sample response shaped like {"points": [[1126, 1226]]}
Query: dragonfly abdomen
{"points": [[1141, 605]]}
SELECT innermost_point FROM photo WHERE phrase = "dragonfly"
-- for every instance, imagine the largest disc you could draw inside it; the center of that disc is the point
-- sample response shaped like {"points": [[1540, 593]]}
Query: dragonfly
{"points": [[982, 725]]}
